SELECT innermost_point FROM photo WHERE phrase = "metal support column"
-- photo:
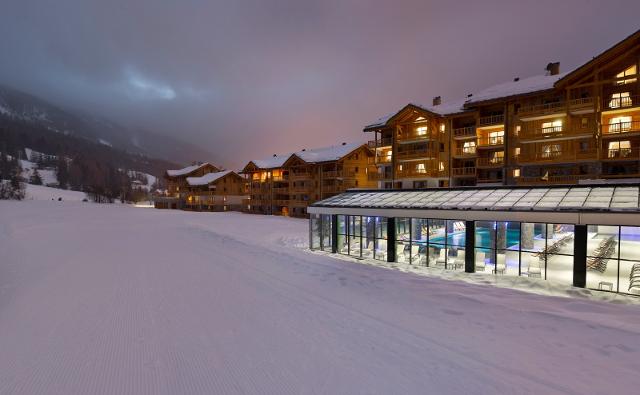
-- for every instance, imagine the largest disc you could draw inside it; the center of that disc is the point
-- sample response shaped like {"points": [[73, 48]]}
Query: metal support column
{"points": [[580, 256], [470, 246]]}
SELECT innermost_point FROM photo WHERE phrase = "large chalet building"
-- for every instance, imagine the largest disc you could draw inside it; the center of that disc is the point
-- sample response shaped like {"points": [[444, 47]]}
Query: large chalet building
{"points": [[287, 184], [556, 128]]}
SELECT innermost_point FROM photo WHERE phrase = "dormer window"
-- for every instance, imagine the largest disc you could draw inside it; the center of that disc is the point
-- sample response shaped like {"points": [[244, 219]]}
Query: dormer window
{"points": [[422, 130], [631, 71]]}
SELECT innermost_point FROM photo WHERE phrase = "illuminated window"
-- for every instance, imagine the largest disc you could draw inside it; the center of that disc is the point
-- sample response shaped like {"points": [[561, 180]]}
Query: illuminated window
{"points": [[496, 137], [421, 131], [441, 166], [553, 126], [497, 157], [516, 151], [619, 149], [516, 172], [400, 167], [584, 122], [621, 99], [388, 155], [550, 151], [420, 168], [469, 147], [628, 72], [518, 129], [620, 124], [442, 127], [420, 119]]}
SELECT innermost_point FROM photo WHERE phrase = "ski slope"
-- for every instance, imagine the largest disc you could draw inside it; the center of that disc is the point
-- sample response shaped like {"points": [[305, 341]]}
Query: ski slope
{"points": [[112, 299]]}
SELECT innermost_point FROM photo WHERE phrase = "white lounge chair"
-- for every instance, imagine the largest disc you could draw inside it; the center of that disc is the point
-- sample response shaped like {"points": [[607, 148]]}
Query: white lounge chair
{"points": [[442, 258], [533, 269], [501, 265], [459, 261], [414, 253], [400, 253]]}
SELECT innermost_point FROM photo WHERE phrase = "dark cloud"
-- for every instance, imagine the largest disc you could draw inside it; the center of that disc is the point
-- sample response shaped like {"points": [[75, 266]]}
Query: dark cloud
{"points": [[249, 78]]}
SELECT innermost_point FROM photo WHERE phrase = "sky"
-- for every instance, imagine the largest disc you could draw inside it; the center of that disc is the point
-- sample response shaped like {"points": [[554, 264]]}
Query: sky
{"points": [[246, 79]]}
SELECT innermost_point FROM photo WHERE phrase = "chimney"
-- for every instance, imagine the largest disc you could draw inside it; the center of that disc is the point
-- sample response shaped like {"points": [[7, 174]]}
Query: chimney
{"points": [[304, 149], [553, 68], [437, 101], [516, 79], [274, 155], [343, 143]]}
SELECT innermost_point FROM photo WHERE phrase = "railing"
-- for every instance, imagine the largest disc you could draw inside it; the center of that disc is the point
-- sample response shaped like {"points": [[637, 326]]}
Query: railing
{"points": [[418, 153], [581, 103], [413, 135], [406, 173], [383, 142], [299, 176], [378, 176], [563, 179], [379, 159], [557, 156], [338, 174], [554, 132], [463, 171], [621, 154], [490, 162], [469, 131], [621, 127], [281, 202], [280, 178], [490, 141], [465, 152], [491, 120], [485, 179], [541, 109], [301, 189], [613, 103]]}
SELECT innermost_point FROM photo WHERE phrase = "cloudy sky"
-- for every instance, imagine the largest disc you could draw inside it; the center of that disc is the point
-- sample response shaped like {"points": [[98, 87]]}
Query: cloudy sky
{"points": [[245, 79]]}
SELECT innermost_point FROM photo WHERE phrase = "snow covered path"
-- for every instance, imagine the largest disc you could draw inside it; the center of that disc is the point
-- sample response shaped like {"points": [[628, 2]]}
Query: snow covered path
{"points": [[118, 300]]}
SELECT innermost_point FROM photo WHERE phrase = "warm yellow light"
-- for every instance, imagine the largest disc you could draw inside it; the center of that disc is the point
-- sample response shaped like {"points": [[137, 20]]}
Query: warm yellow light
{"points": [[629, 71], [422, 130], [516, 172], [442, 127]]}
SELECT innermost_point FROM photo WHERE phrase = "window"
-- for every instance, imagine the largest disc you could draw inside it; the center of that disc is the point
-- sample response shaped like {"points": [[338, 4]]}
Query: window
{"points": [[516, 173], [552, 127], [620, 124], [518, 129], [516, 151], [497, 157], [622, 99], [469, 147], [356, 169], [550, 150], [442, 128], [584, 122], [631, 71], [441, 166], [420, 168], [496, 138], [497, 247], [547, 251], [421, 131], [619, 149]]}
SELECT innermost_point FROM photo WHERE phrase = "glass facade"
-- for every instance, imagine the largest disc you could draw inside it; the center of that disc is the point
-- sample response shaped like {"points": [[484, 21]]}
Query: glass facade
{"points": [[613, 258], [537, 250]]}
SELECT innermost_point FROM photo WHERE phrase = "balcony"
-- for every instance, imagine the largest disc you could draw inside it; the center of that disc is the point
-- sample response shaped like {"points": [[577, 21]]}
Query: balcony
{"points": [[378, 176], [299, 176], [489, 179], [490, 162], [490, 141], [281, 189], [555, 132], [380, 160], [338, 174], [542, 109], [280, 178], [408, 136], [383, 142], [617, 128], [563, 179], [620, 102], [491, 120], [422, 173], [465, 152], [463, 172], [582, 106], [621, 154], [301, 189], [568, 156], [422, 153], [464, 133]]}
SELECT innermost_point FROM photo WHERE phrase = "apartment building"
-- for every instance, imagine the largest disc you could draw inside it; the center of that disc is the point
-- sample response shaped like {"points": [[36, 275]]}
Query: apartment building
{"points": [[287, 184], [556, 128]]}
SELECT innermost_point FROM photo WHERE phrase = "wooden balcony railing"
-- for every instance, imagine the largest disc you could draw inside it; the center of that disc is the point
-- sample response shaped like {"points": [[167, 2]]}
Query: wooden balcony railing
{"points": [[383, 142], [280, 178], [418, 153], [299, 176], [621, 154], [614, 103], [490, 162], [413, 135], [301, 189], [281, 189], [379, 159], [465, 152], [487, 179], [466, 132], [378, 176], [621, 127], [491, 120], [413, 173], [557, 156], [463, 171], [554, 132], [562, 179], [542, 109], [490, 141], [338, 174], [582, 103]]}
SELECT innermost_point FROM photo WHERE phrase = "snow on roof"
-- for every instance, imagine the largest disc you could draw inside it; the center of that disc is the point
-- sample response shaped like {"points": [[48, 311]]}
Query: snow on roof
{"points": [[185, 170], [272, 162], [207, 178], [520, 87], [450, 107], [326, 154]]}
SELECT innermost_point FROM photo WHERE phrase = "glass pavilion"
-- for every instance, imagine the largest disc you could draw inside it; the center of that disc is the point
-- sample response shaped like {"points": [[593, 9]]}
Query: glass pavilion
{"points": [[585, 235]]}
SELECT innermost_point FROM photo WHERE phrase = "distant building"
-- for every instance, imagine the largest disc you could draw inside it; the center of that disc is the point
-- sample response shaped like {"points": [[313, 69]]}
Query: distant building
{"points": [[287, 184], [557, 128]]}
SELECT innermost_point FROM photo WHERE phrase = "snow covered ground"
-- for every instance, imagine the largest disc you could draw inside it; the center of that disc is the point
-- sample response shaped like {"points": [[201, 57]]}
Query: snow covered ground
{"points": [[120, 300], [40, 192]]}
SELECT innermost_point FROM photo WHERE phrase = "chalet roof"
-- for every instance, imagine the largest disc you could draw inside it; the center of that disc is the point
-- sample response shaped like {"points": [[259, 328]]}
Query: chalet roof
{"points": [[272, 162], [207, 178], [446, 108], [514, 88], [326, 154], [186, 170]]}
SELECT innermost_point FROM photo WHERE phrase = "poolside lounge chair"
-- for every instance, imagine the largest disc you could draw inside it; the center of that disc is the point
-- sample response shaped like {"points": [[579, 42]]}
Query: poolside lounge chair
{"points": [[501, 265], [534, 269], [442, 258], [480, 264], [400, 253], [458, 263]]}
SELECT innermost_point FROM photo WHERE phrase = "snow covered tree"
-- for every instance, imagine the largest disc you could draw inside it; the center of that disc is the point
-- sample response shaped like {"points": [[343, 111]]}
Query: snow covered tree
{"points": [[35, 178]]}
